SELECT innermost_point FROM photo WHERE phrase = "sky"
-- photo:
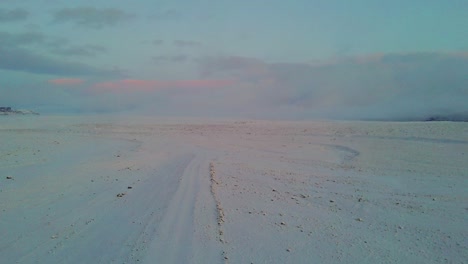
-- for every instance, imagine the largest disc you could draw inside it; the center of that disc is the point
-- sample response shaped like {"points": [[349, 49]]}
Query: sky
{"points": [[300, 59]]}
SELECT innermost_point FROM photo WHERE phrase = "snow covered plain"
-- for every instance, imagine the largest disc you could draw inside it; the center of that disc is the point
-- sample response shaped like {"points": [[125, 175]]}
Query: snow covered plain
{"points": [[154, 190]]}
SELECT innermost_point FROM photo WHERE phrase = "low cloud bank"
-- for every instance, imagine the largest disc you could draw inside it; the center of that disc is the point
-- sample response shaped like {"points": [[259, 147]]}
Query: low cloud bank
{"points": [[397, 87], [403, 87]]}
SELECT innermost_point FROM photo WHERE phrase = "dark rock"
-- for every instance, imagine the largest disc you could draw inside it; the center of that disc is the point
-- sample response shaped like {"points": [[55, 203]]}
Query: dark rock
{"points": [[5, 109]]}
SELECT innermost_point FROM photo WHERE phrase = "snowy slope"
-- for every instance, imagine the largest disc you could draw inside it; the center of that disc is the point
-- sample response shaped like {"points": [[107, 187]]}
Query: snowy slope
{"points": [[147, 190]]}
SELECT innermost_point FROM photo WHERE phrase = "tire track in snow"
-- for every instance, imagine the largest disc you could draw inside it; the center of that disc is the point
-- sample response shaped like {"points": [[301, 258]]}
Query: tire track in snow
{"points": [[219, 209], [175, 240], [120, 227]]}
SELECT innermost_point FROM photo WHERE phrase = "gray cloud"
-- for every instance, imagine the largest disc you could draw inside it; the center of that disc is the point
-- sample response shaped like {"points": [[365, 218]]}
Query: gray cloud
{"points": [[91, 17], [21, 39], [16, 59], [412, 86], [158, 42], [13, 15], [173, 58], [168, 14], [55, 45], [83, 51], [237, 66], [186, 43]]}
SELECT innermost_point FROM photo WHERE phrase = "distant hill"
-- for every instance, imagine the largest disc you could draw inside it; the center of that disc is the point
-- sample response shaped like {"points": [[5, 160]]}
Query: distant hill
{"points": [[454, 118], [11, 111]]}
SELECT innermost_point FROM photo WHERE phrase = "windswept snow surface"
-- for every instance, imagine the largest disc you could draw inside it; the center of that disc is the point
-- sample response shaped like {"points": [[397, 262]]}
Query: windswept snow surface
{"points": [[153, 190]]}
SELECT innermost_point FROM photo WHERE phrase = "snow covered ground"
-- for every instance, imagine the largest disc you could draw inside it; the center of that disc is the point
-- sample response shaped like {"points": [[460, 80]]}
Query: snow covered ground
{"points": [[153, 190]]}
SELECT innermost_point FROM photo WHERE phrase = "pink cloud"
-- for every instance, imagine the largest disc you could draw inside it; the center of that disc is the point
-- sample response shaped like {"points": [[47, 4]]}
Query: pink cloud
{"points": [[66, 81], [135, 85]]}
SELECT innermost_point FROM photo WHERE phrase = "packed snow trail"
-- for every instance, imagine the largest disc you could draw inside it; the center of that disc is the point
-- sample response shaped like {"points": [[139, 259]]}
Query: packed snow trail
{"points": [[86, 198]]}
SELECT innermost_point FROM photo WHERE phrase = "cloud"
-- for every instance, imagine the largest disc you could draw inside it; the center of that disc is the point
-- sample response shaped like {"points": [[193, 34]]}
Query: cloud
{"points": [[91, 17], [185, 43], [169, 14], [13, 15], [158, 42], [173, 58], [84, 50], [66, 81], [412, 86], [16, 59], [395, 86], [135, 85], [55, 45], [241, 67], [21, 39]]}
